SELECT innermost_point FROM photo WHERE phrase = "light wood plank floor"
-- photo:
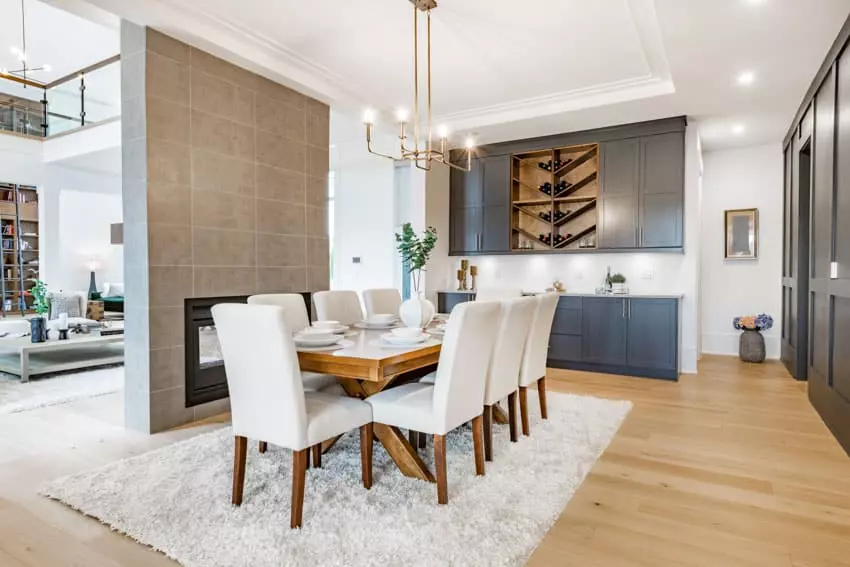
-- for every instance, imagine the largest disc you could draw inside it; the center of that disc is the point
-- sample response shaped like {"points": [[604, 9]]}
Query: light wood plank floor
{"points": [[728, 467]]}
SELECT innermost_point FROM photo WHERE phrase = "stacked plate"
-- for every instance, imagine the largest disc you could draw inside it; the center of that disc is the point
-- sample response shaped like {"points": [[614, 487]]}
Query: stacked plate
{"points": [[312, 337], [404, 336], [327, 327], [378, 321]]}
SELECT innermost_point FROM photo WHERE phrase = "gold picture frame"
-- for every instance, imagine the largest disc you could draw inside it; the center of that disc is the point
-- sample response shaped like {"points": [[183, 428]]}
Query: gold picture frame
{"points": [[741, 234]]}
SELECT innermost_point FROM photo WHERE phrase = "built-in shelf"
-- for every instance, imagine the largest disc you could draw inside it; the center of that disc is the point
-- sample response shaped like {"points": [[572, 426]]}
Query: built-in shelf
{"points": [[575, 237], [576, 213]]}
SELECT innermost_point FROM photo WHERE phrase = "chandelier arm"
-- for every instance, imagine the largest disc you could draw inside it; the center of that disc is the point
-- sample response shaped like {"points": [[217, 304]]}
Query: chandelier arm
{"points": [[428, 18], [369, 144], [468, 168], [416, 79]]}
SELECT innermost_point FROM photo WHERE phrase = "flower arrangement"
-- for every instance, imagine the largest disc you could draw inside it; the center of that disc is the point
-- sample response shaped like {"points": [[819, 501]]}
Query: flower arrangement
{"points": [[760, 322], [415, 250]]}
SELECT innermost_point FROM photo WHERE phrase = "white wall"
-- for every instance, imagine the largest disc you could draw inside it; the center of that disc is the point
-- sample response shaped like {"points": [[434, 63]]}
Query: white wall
{"points": [[364, 219], [738, 179]]}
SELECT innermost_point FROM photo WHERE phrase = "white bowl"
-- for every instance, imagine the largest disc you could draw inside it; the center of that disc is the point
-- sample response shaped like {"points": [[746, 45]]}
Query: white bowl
{"points": [[407, 332], [326, 324], [380, 318], [389, 338], [315, 332]]}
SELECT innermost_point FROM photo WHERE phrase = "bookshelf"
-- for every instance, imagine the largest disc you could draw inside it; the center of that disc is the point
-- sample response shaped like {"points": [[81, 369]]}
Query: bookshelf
{"points": [[19, 247]]}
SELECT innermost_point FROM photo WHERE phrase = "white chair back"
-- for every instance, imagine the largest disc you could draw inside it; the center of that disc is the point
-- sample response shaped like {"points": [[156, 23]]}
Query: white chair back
{"points": [[381, 301], [537, 347], [497, 293], [514, 326], [462, 368], [266, 396], [15, 326], [294, 309], [342, 306]]}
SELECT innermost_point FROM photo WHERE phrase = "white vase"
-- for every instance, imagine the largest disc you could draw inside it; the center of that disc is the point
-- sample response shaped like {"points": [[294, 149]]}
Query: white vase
{"points": [[618, 287], [416, 312]]}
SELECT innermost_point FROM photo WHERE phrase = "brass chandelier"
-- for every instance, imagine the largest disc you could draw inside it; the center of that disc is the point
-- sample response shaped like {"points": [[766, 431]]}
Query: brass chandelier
{"points": [[423, 152]]}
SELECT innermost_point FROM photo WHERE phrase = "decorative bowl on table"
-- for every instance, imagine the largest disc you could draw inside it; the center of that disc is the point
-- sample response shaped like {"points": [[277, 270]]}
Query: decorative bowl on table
{"points": [[329, 326], [404, 340], [315, 339]]}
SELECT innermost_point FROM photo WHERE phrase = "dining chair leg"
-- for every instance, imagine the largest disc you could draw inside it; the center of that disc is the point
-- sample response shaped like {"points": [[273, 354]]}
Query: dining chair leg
{"points": [[299, 473], [440, 462], [541, 393], [240, 454], [488, 432], [523, 410], [478, 443], [317, 455], [413, 438], [366, 437], [512, 416], [263, 446], [307, 462], [422, 441]]}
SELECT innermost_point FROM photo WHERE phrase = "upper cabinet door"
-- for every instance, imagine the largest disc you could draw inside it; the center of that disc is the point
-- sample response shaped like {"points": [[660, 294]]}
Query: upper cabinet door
{"points": [[618, 203], [496, 174], [467, 186], [662, 185], [465, 230]]}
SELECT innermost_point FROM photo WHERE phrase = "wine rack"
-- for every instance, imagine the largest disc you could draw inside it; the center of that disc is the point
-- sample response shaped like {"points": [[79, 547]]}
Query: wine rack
{"points": [[553, 198]]}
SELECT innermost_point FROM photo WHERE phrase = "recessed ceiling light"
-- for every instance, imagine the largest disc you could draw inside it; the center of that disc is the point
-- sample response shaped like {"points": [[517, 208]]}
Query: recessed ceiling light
{"points": [[756, 2], [746, 78], [738, 129]]}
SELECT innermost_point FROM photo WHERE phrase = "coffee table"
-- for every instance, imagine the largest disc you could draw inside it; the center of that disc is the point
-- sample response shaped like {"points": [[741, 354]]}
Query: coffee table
{"points": [[22, 357]]}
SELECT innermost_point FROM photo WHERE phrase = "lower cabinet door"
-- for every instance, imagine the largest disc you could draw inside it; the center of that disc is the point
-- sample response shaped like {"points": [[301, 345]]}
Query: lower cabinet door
{"points": [[653, 333], [604, 336], [564, 348], [447, 301]]}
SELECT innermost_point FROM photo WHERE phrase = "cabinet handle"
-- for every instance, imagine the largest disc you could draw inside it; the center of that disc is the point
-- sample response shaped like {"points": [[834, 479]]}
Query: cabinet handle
{"points": [[624, 309], [640, 241], [629, 316]]}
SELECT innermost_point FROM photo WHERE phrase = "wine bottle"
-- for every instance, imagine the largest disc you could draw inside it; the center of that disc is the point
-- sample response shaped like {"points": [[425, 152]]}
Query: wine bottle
{"points": [[545, 216], [547, 165], [546, 188]]}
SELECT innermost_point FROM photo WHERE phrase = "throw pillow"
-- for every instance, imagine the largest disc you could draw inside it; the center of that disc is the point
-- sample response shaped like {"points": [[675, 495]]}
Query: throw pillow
{"points": [[64, 303], [113, 290]]}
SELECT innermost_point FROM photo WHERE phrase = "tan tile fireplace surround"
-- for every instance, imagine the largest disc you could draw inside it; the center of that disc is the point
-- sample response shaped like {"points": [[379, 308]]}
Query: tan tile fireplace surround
{"points": [[225, 193]]}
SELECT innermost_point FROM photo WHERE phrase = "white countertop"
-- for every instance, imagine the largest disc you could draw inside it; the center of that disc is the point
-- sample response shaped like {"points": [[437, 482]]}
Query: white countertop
{"points": [[592, 294]]}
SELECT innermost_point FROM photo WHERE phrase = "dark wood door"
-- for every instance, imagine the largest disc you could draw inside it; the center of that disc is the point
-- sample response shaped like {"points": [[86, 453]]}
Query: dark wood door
{"points": [[662, 184], [604, 330], [653, 339], [618, 194]]}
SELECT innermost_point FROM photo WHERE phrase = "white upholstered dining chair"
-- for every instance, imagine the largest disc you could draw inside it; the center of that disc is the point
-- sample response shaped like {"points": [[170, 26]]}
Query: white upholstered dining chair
{"points": [[342, 306], [268, 402], [458, 390], [497, 293], [378, 301], [533, 368], [514, 325], [295, 317]]}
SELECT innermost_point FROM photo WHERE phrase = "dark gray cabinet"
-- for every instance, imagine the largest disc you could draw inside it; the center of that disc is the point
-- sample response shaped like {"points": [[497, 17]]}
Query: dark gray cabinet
{"points": [[653, 336], [604, 331], [447, 300], [480, 213], [662, 182], [618, 194], [634, 336]]}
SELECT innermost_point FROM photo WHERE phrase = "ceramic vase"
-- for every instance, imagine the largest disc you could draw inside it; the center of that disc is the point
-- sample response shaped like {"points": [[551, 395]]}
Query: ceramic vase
{"points": [[751, 346], [416, 312]]}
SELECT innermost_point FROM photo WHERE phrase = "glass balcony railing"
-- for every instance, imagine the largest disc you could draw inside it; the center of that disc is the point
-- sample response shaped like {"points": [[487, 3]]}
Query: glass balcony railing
{"points": [[88, 96]]}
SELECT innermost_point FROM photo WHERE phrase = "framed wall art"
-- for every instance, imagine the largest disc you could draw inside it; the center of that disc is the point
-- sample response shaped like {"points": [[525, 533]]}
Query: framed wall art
{"points": [[741, 234]]}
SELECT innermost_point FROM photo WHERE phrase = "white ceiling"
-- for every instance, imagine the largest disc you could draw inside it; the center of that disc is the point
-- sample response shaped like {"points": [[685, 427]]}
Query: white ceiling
{"points": [[63, 40], [506, 70]]}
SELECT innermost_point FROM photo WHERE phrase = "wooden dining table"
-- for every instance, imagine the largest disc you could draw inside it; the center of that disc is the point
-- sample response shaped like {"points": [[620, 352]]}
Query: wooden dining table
{"points": [[366, 366]]}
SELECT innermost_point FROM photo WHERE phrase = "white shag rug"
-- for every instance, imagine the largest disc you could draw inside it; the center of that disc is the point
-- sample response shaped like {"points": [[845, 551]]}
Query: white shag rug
{"points": [[41, 391], [177, 499]]}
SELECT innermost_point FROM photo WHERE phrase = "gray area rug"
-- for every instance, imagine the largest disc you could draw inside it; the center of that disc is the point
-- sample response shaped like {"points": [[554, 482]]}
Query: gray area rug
{"points": [[177, 499], [50, 390]]}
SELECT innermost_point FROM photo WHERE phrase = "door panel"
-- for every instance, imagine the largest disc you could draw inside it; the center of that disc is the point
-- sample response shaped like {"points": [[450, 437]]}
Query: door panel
{"points": [[841, 352], [495, 227], [842, 170], [466, 187], [496, 189], [820, 336], [465, 230], [822, 188], [662, 182], [619, 194], [565, 348], [604, 330], [653, 333]]}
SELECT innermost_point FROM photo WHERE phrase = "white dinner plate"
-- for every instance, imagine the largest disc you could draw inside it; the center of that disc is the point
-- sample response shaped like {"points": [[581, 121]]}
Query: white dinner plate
{"points": [[337, 346], [307, 341], [373, 325], [391, 339]]}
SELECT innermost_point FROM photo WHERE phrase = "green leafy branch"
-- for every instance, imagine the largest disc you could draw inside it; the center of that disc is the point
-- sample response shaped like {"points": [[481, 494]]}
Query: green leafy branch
{"points": [[416, 250]]}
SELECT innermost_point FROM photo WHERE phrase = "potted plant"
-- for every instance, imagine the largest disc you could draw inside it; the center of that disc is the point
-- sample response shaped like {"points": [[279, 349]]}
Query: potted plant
{"points": [[415, 252], [38, 324], [618, 283], [751, 343]]}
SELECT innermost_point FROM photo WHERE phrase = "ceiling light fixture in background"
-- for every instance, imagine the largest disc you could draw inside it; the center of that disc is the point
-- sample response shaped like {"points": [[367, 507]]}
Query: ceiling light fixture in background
{"points": [[423, 153], [738, 129], [20, 53], [746, 78]]}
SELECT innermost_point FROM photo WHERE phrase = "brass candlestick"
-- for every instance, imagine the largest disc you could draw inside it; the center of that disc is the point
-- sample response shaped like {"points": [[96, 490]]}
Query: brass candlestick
{"points": [[464, 266], [473, 271], [460, 278]]}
